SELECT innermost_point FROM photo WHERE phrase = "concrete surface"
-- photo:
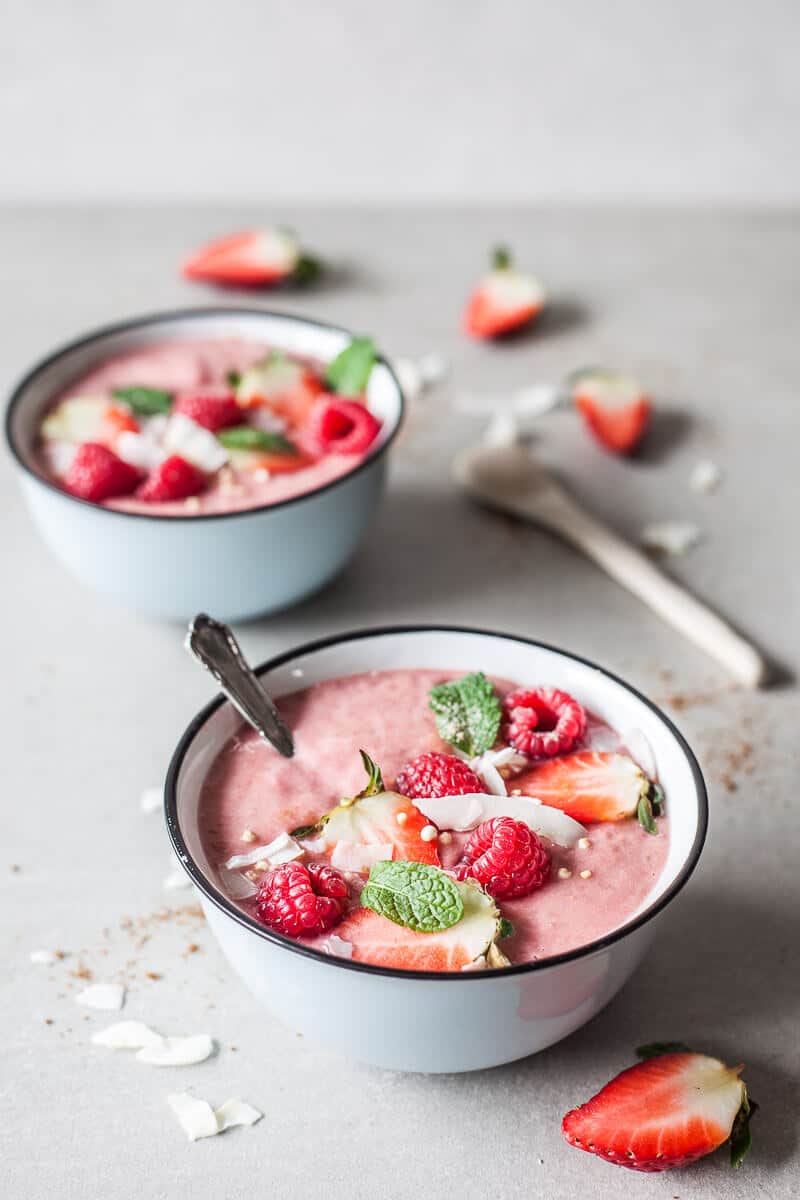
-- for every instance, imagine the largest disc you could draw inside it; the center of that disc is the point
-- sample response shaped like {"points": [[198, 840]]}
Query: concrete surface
{"points": [[94, 700]]}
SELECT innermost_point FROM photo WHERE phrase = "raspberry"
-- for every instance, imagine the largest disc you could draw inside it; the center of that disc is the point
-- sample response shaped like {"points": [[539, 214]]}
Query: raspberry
{"points": [[301, 901], [506, 858], [173, 479], [437, 775], [213, 408], [342, 426], [542, 723], [96, 473]]}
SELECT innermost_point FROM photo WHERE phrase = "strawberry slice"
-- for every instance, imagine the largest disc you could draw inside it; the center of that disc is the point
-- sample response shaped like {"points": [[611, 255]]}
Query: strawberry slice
{"points": [[375, 939], [253, 258], [172, 479], [504, 301], [614, 408], [88, 419], [591, 786], [262, 460], [665, 1112], [283, 386], [213, 408]]}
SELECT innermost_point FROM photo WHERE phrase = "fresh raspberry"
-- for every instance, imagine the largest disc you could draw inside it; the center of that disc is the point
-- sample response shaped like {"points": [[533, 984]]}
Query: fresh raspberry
{"points": [[342, 426], [96, 473], [301, 901], [506, 858], [173, 479], [542, 723], [437, 775], [213, 408]]}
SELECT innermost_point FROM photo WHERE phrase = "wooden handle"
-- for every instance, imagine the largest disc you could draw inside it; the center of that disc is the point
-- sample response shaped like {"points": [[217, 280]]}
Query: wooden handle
{"points": [[672, 602]]}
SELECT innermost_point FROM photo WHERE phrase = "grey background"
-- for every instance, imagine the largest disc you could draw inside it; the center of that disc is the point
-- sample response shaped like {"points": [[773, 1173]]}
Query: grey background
{"points": [[458, 100], [95, 699]]}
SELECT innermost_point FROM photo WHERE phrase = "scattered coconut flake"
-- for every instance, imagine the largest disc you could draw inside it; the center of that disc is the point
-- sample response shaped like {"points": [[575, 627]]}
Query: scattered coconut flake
{"points": [[176, 880], [151, 799], [465, 812], [671, 537], [177, 1051], [197, 1118], [354, 856], [502, 430], [416, 376], [337, 946], [587, 874], [44, 958], [127, 1035], [236, 886], [283, 849], [107, 996], [486, 767], [705, 477], [191, 441], [297, 672], [564, 873], [236, 1112], [139, 449], [641, 752]]}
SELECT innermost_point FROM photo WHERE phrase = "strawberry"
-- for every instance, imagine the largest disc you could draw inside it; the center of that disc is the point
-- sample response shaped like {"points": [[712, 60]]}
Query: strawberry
{"points": [[213, 408], [665, 1112], [593, 786], [88, 419], [340, 426], [504, 301], [172, 479], [283, 386], [96, 473], [254, 258], [263, 460], [614, 408]]}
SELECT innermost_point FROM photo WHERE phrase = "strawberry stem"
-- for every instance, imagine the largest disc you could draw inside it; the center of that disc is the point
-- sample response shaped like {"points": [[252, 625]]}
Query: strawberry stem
{"points": [[741, 1138], [501, 258]]}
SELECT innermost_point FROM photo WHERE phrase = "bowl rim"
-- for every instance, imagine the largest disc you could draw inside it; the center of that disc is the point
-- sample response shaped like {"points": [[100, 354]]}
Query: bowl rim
{"points": [[155, 318], [223, 903]]}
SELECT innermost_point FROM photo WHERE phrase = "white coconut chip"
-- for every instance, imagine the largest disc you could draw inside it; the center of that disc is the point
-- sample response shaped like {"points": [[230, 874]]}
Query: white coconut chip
{"points": [[177, 1051], [107, 996], [282, 849], [354, 856], [337, 947], [486, 767], [139, 449], [236, 1112], [127, 1035], [236, 886], [671, 537], [176, 881], [151, 799], [641, 752], [44, 958], [705, 477], [194, 443], [58, 456], [197, 1118], [466, 812]]}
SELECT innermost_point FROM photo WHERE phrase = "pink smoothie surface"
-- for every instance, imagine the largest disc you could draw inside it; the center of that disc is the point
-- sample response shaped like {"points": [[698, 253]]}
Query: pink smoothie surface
{"points": [[175, 366], [250, 787]]}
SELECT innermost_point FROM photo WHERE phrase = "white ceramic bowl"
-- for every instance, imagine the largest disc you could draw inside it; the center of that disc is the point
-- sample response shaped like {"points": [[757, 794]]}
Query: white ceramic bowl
{"points": [[236, 565], [422, 1021]]}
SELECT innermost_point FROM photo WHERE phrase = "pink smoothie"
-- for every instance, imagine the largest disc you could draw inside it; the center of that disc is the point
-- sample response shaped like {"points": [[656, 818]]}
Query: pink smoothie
{"points": [[181, 366], [251, 788]]}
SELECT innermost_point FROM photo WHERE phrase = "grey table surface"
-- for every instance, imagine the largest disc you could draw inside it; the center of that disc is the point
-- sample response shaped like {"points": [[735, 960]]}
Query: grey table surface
{"points": [[703, 306]]}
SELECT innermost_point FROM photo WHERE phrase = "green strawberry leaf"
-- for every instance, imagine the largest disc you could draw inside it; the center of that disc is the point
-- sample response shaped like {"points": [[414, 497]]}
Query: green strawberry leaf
{"points": [[304, 831], [144, 401], [233, 379], [653, 1049], [506, 928], [374, 777], [501, 258], [644, 813], [349, 372], [415, 895], [307, 269], [245, 437], [467, 713], [656, 799], [741, 1138]]}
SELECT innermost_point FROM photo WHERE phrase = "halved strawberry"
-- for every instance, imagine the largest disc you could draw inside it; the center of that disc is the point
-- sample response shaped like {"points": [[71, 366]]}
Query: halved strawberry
{"points": [[505, 300], [212, 407], [375, 939], [591, 786], [88, 419], [614, 408], [96, 473], [172, 479], [665, 1112], [263, 460], [282, 385], [253, 258]]}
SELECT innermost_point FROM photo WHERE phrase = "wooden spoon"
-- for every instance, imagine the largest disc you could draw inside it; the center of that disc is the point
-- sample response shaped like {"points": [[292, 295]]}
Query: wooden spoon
{"points": [[509, 478]]}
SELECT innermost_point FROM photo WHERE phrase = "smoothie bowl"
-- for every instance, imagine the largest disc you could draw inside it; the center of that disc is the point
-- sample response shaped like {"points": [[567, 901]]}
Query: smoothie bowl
{"points": [[228, 459], [466, 856]]}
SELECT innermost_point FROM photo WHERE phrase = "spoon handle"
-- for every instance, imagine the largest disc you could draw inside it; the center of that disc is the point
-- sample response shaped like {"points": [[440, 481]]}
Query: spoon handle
{"points": [[216, 649]]}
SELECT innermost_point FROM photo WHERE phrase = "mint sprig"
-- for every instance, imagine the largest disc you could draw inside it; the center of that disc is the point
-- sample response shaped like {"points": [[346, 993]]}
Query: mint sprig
{"points": [[416, 895], [467, 713], [245, 437], [348, 374], [144, 401]]}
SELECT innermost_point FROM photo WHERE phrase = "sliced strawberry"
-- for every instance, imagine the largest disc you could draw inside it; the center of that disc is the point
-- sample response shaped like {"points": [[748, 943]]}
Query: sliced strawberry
{"points": [[281, 385], [504, 301], [88, 419], [373, 820], [375, 939], [614, 408], [172, 479], [263, 460], [588, 786], [96, 473], [340, 426], [213, 408], [253, 258], [665, 1112]]}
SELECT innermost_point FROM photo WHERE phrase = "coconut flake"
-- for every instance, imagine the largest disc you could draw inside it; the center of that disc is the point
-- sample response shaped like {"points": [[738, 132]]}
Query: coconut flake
{"points": [[177, 1051], [354, 856], [641, 752], [236, 886], [705, 477], [197, 1118], [191, 441], [337, 947], [107, 996], [139, 450], [454, 812], [176, 881], [151, 799], [58, 456], [44, 958], [468, 811], [283, 849], [236, 1112], [671, 537], [127, 1035]]}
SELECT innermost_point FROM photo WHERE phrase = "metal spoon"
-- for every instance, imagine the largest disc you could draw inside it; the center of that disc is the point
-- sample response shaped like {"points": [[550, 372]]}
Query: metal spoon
{"points": [[216, 649]]}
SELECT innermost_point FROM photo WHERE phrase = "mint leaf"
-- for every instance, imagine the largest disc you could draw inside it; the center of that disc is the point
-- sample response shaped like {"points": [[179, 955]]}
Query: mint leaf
{"points": [[506, 928], [349, 372], [653, 1049], [467, 713], [416, 895], [245, 437], [144, 401], [233, 379]]}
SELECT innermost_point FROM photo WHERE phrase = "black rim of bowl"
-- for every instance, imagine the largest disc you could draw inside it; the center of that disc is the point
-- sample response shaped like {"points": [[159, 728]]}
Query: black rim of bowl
{"points": [[229, 908], [179, 314]]}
